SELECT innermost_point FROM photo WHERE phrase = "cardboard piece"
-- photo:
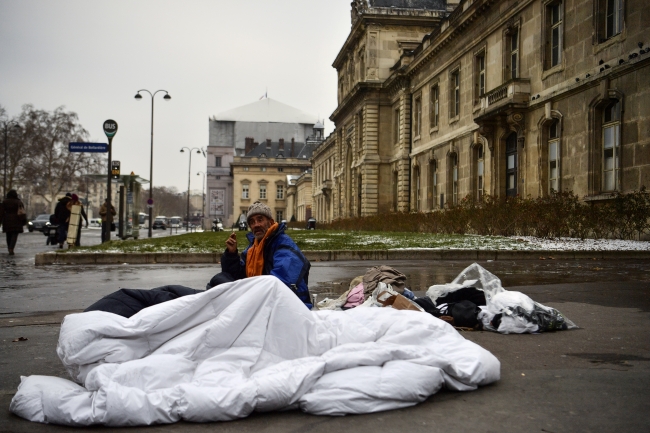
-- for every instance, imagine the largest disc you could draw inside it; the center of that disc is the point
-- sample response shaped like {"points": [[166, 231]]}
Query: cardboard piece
{"points": [[73, 226]]}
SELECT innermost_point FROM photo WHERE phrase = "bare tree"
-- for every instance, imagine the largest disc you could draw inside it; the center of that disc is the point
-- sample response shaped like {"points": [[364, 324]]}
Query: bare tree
{"points": [[167, 201], [13, 151], [42, 150]]}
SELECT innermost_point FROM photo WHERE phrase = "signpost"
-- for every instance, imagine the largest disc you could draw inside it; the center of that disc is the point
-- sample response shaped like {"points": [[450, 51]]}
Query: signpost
{"points": [[88, 147], [110, 129], [150, 203]]}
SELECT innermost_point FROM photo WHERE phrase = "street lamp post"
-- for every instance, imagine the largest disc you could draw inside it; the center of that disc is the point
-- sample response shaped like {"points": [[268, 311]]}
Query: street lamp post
{"points": [[203, 210], [189, 170], [6, 127], [138, 96]]}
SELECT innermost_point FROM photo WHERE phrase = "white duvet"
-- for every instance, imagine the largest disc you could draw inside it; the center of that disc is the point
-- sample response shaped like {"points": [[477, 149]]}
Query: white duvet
{"points": [[248, 346]]}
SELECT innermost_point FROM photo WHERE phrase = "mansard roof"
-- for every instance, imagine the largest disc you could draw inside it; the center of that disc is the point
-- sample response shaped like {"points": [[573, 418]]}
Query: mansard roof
{"points": [[300, 150], [266, 110]]}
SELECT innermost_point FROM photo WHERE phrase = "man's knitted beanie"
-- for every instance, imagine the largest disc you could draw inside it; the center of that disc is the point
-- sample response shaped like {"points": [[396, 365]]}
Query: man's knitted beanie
{"points": [[259, 208]]}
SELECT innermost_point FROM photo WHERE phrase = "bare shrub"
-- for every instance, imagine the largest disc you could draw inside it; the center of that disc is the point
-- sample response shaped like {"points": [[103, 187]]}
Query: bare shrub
{"points": [[560, 214]]}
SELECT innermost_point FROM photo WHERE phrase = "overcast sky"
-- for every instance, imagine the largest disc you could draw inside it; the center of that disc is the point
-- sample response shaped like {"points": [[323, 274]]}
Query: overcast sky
{"points": [[92, 57]]}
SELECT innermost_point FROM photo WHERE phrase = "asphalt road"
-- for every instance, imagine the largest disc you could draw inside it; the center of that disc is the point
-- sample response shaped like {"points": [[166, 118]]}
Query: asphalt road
{"points": [[595, 379]]}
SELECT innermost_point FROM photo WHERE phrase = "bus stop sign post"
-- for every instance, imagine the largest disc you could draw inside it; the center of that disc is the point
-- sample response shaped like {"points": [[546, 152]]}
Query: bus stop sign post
{"points": [[110, 129]]}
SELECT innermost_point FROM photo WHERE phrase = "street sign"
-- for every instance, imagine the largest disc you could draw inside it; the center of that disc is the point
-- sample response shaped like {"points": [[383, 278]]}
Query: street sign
{"points": [[88, 147], [115, 169], [110, 128], [150, 201]]}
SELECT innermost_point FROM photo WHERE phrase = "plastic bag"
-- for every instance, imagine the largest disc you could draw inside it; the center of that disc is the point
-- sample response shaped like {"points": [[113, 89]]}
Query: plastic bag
{"points": [[507, 312]]}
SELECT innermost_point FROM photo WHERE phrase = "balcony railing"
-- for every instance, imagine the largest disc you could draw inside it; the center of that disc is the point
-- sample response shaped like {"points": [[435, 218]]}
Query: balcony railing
{"points": [[516, 91]]}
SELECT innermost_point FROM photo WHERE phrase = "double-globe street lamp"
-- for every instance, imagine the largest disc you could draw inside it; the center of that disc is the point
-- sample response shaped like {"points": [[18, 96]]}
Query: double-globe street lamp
{"points": [[138, 96], [189, 170], [203, 211], [6, 128]]}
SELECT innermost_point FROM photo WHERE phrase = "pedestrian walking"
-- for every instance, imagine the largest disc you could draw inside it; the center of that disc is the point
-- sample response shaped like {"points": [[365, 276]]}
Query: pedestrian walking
{"points": [[107, 220], [13, 218], [62, 217], [74, 201]]}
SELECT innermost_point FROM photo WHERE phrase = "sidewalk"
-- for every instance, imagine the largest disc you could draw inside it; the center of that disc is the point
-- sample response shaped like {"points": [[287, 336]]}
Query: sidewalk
{"points": [[71, 258], [594, 379]]}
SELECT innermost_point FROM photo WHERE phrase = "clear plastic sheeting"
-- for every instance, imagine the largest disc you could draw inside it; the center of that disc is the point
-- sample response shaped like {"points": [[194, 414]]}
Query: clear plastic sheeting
{"points": [[507, 312], [250, 345]]}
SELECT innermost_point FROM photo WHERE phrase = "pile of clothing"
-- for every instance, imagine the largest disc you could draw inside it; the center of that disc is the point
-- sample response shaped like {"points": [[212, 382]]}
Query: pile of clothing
{"points": [[474, 300]]}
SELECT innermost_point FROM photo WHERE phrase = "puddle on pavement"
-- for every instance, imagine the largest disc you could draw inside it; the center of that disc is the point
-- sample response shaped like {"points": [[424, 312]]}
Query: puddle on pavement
{"points": [[421, 275], [609, 358]]}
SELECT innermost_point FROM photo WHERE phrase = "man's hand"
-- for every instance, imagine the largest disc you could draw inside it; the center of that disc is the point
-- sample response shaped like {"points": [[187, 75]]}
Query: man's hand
{"points": [[231, 243]]}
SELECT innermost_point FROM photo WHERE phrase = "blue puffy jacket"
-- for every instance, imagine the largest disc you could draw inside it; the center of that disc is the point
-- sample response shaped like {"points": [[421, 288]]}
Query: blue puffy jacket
{"points": [[282, 259]]}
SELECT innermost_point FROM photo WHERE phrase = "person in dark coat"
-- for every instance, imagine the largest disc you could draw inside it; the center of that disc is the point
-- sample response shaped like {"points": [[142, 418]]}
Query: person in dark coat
{"points": [[269, 252], [107, 219], [13, 218], [62, 215]]}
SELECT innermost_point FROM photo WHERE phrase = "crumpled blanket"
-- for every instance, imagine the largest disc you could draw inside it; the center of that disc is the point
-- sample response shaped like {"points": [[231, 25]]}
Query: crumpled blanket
{"points": [[246, 346], [385, 274], [507, 311]]}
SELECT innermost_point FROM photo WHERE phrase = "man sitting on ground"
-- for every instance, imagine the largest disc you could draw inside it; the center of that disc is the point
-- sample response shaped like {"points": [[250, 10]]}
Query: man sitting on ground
{"points": [[269, 252]]}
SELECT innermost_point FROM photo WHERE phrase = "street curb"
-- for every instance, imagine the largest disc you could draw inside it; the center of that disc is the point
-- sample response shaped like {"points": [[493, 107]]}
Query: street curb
{"points": [[56, 258]]}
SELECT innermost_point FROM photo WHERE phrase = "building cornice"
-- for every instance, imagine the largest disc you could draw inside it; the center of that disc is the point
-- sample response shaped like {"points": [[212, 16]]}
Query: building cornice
{"points": [[407, 18], [353, 97], [450, 28]]}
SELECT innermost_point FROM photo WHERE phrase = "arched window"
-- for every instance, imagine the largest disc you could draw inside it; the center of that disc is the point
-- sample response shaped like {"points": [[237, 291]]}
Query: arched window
{"points": [[453, 165], [395, 180], [416, 178], [433, 183], [480, 173], [359, 193], [554, 156], [511, 165], [611, 146]]}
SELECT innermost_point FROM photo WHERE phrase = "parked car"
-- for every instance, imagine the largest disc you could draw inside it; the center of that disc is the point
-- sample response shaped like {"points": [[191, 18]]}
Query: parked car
{"points": [[95, 222], [38, 223], [159, 223], [176, 222]]}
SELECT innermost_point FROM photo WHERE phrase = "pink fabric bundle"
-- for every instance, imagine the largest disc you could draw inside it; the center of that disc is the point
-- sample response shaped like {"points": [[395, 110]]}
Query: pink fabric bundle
{"points": [[355, 297]]}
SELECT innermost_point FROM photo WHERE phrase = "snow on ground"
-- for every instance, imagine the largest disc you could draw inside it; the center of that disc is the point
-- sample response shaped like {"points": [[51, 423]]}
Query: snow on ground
{"points": [[573, 244], [419, 241], [524, 243]]}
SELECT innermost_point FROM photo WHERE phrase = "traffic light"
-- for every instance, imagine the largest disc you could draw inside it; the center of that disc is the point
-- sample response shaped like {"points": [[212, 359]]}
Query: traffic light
{"points": [[115, 169]]}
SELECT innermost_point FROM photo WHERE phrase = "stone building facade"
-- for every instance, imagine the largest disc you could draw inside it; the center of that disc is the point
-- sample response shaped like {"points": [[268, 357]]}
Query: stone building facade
{"points": [[228, 132], [323, 163], [265, 173], [500, 97], [304, 196]]}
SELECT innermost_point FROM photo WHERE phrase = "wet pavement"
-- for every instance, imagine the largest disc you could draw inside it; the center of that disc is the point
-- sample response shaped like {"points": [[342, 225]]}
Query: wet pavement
{"points": [[25, 288], [589, 380]]}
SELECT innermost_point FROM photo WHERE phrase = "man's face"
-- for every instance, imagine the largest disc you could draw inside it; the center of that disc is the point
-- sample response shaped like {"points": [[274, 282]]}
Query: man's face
{"points": [[259, 225]]}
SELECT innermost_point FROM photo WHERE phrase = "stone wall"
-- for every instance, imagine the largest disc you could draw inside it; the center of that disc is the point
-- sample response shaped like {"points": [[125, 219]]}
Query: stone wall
{"points": [[533, 77]]}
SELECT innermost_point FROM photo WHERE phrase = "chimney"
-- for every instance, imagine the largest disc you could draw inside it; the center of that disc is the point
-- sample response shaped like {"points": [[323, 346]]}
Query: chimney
{"points": [[268, 144], [249, 145], [281, 145], [293, 142]]}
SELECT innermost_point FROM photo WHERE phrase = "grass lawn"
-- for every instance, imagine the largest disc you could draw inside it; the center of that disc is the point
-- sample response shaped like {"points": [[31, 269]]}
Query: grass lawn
{"points": [[311, 240]]}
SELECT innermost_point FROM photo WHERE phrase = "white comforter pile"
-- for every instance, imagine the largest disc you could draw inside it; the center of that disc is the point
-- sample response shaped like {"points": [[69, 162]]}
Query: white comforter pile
{"points": [[248, 346]]}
